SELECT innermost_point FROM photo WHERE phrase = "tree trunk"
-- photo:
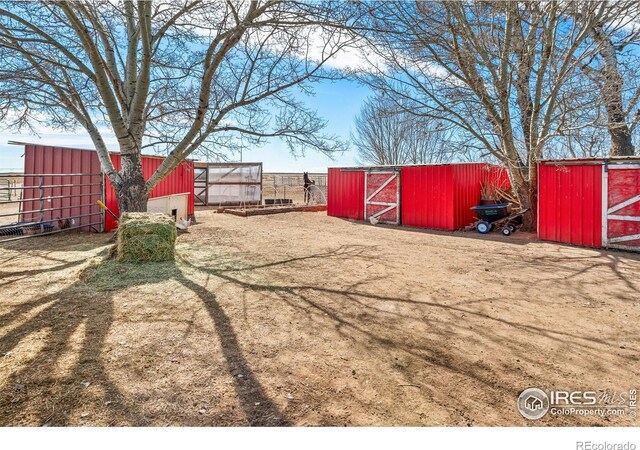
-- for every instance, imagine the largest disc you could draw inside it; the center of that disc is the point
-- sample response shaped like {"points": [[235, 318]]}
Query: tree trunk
{"points": [[619, 133], [612, 89], [525, 189], [529, 199], [131, 192]]}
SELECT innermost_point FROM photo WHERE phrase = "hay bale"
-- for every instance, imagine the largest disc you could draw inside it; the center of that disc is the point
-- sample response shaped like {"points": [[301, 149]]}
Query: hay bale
{"points": [[146, 237]]}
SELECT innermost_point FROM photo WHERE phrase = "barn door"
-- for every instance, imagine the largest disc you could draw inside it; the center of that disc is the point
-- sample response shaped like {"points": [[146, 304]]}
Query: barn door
{"points": [[200, 186], [621, 205], [382, 197]]}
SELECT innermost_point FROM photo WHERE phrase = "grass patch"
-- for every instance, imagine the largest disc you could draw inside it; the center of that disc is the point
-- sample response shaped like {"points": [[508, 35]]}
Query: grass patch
{"points": [[111, 275]]}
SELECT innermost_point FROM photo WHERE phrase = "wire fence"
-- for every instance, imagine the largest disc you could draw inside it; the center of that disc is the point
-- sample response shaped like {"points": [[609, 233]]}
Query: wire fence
{"points": [[280, 188], [244, 185]]}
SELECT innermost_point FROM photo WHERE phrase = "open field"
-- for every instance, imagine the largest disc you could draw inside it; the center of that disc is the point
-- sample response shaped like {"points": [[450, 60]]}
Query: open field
{"points": [[9, 208], [291, 186], [7, 193], [304, 319]]}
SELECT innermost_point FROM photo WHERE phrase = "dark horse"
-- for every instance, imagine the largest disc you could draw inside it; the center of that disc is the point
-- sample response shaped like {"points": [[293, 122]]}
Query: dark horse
{"points": [[308, 182]]}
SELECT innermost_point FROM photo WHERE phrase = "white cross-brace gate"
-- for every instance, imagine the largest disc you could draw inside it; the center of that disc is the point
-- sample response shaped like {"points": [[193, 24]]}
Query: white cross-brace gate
{"points": [[621, 205], [382, 196]]}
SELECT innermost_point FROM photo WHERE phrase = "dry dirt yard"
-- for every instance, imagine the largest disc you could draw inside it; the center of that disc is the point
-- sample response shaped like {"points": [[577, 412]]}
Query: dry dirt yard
{"points": [[303, 319]]}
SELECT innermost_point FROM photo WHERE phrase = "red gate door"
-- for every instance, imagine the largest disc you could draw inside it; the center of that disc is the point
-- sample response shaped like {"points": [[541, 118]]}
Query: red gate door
{"points": [[382, 197], [622, 209]]}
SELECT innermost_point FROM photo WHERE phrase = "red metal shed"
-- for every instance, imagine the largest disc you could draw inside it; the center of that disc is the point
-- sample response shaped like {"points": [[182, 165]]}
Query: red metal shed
{"points": [[591, 202], [177, 182], [79, 173], [440, 196], [430, 196], [345, 193], [62, 183]]}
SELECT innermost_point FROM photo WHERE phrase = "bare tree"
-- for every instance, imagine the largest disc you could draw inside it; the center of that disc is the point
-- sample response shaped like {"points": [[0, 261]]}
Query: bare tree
{"points": [[497, 71], [429, 141], [386, 135], [619, 94], [378, 134], [178, 76]]}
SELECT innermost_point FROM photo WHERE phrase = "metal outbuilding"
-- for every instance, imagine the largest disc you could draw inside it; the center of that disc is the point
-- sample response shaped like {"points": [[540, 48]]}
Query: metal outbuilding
{"points": [[430, 196], [591, 202], [345, 193], [65, 183]]}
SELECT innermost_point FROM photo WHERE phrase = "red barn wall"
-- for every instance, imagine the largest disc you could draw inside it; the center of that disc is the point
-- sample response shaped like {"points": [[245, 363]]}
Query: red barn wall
{"points": [[441, 196], [467, 184], [345, 193], [177, 182], [570, 203], [41, 159], [431, 196], [427, 196], [45, 160]]}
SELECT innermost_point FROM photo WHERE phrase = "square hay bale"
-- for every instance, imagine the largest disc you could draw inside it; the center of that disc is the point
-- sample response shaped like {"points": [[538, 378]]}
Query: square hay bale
{"points": [[146, 237]]}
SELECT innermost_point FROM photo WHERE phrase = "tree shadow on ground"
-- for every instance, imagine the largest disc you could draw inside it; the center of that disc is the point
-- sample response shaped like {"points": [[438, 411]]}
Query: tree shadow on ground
{"points": [[37, 390], [353, 310], [87, 306], [38, 393], [258, 408]]}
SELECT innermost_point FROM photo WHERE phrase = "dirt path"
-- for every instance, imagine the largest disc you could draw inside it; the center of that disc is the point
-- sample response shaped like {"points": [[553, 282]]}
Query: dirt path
{"points": [[303, 319]]}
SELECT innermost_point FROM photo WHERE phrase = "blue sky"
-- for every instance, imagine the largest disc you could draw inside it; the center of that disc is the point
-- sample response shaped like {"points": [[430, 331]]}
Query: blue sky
{"points": [[338, 102]]}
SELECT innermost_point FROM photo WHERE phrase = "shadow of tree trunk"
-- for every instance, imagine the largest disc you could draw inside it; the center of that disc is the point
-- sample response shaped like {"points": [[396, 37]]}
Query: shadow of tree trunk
{"points": [[38, 387], [258, 408]]}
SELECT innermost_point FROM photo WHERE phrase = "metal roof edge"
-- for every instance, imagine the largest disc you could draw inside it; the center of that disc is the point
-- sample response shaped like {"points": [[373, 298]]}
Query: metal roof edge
{"points": [[590, 160], [396, 166], [83, 149]]}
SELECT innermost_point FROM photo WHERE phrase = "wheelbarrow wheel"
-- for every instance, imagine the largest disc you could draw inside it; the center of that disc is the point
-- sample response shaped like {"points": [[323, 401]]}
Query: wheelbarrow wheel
{"points": [[483, 227], [506, 231]]}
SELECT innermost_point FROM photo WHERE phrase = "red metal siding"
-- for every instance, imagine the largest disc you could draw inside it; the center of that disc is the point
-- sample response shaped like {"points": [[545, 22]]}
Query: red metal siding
{"points": [[40, 159], [432, 196], [624, 185], [570, 203], [497, 178], [427, 196], [345, 194], [467, 183], [177, 182], [52, 160]]}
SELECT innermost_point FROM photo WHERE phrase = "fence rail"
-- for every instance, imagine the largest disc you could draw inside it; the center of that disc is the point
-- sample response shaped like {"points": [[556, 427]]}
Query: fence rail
{"points": [[40, 206]]}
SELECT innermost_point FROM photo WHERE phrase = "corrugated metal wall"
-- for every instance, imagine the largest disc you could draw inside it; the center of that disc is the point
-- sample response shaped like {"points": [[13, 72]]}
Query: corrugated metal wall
{"points": [[432, 196], [345, 194], [440, 196], [570, 203], [427, 196], [51, 160], [39, 159], [177, 182], [467, 184]]}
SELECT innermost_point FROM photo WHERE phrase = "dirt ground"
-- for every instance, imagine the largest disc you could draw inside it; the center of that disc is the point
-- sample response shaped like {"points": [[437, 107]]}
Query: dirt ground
{"points": [[9, 208], [9, 195], [303, 319]]}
